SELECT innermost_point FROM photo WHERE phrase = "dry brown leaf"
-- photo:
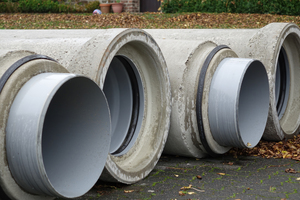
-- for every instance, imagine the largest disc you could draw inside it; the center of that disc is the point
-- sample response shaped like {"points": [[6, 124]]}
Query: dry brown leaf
{"points": [[291, 170], [181, 193], [199, 177], [128, 191]]}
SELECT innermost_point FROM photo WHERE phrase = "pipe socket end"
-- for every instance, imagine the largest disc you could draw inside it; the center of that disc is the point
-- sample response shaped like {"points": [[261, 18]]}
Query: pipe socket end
{"points": [[238, 102], [58, 135]]}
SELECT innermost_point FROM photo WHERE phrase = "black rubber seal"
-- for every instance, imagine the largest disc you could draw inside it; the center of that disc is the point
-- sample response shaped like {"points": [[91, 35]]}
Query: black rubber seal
{"points": [[283, 78], [17, 65], [135, 106], [199, 98]]}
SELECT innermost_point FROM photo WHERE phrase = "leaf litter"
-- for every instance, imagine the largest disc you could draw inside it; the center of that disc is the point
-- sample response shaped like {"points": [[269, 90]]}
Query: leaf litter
{"points": [[140, 20], [289, 149]]}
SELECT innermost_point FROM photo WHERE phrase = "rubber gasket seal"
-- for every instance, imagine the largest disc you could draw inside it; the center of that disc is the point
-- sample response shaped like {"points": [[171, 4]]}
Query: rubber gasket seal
{"points": [[135, 105], [17, 65], [283, 85], [199, 98]]}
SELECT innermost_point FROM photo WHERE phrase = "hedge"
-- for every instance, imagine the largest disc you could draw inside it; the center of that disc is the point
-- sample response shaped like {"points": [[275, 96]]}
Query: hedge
{"points": [[282, 7], [46, 6]]}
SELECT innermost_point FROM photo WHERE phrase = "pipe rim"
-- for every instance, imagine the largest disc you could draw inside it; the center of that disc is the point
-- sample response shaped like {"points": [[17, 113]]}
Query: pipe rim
{"points": [[289, 49], [141, 49], [199, 98], [18, 64], [222, 54]]}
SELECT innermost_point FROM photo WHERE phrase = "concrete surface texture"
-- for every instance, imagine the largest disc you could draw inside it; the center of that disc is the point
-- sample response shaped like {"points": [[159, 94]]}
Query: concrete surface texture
{"points": [[224, 177]]}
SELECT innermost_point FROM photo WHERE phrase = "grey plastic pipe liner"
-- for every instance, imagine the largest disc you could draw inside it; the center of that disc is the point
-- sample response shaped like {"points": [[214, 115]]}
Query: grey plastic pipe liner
{"points": [[57, 129], [238, 102], [130, 68], [277, 46], [210, 90]]}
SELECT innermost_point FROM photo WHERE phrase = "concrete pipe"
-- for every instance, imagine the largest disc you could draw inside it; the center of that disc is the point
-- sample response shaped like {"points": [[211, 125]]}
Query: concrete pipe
{"points": [[55, 129], [129, 66], [216, 102], [277, 46]]}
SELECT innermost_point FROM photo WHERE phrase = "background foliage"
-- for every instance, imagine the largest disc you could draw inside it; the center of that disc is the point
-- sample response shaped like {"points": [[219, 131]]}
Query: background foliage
{"points": [[46, 6], [282, 7]]}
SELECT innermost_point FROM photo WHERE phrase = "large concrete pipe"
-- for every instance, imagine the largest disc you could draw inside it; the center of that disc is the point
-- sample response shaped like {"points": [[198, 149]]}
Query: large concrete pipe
{"points": [[277, 46], [129, 66], [55, 129], [219, 101]]}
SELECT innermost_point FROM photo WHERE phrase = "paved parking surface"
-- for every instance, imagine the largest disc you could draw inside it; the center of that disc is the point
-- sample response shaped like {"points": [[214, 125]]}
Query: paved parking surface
{"points": [[224, 177]]}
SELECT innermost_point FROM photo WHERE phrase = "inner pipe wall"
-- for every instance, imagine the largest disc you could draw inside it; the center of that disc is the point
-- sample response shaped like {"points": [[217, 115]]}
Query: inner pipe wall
{"points": [[265, 44], [92, 53]]}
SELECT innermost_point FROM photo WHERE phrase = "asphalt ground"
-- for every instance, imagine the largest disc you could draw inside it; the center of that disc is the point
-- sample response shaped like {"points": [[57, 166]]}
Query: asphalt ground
{"points": [[224, 177]]}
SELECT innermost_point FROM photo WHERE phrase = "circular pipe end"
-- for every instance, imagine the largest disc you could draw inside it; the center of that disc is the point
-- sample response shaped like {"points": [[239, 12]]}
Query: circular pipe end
{"points": [[58, 135], [238, 102]]}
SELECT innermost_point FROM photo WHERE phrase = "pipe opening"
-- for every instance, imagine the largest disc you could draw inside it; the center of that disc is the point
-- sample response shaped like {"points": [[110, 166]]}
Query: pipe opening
{"points": [[253, 104], [124, 91], [289, 57], [239, 102], [58, 135], [282, 82]]}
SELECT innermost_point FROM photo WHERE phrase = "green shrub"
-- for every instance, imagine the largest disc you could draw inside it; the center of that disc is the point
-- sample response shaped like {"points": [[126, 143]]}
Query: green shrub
{"points": [[38, 6], [46, 6], [283, 7], [91, 6], [8, 7]]}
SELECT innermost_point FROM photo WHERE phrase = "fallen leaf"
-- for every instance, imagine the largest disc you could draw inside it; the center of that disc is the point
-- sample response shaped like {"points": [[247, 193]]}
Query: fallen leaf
{"points": [[128, 191], [181, 193], [151, 191], [199, 177], [290, 170], [176, 175], [191, 192], [222, 174], [298, 179]]}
